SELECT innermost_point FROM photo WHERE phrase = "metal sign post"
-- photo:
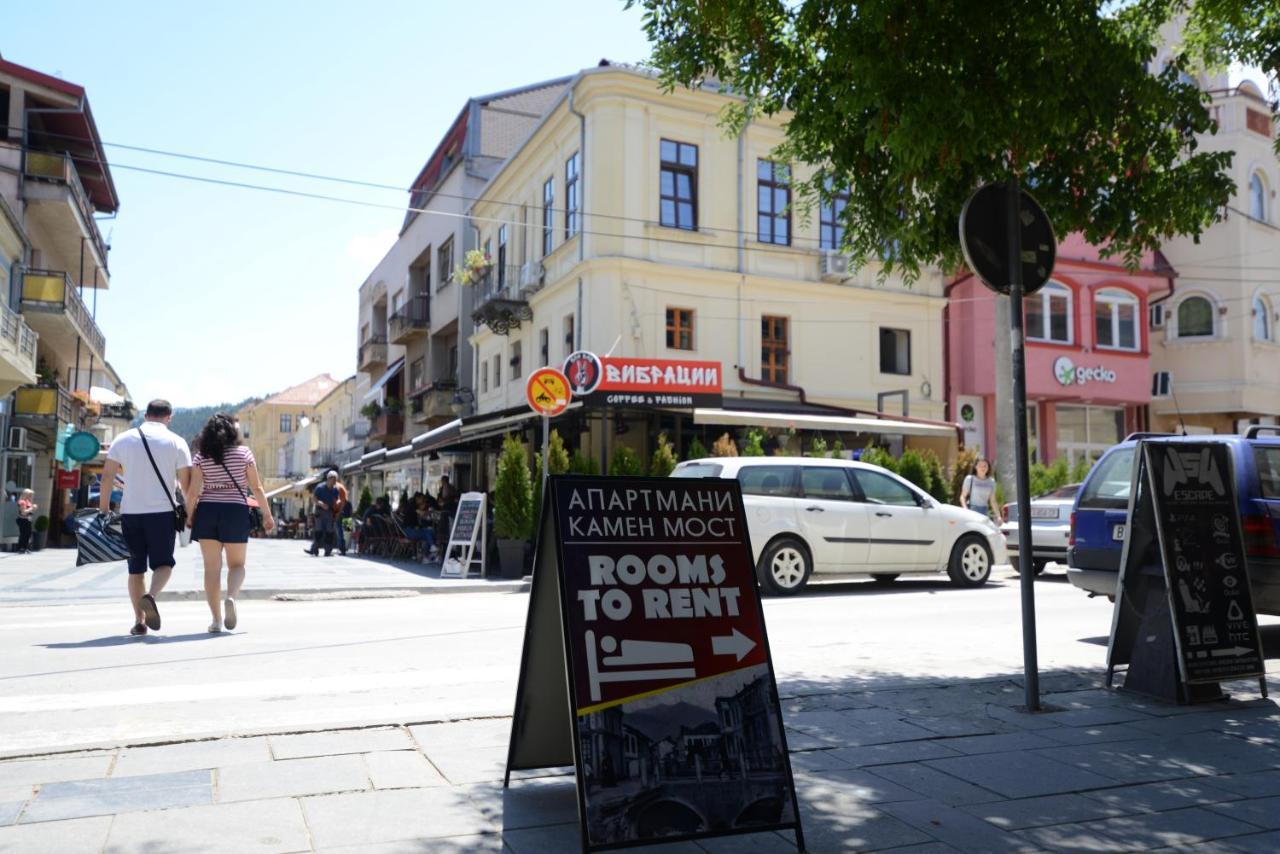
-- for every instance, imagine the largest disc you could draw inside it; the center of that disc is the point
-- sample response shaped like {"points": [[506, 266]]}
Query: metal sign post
{"points": [[993, 224]]}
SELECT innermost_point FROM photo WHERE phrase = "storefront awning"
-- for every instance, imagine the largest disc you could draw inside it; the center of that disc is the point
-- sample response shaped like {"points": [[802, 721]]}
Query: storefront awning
{"points": [[373, 458], [482, 427], [351, 467], [832, 423], [401, 453], [437, 438], [387, 375], [298, 486]]}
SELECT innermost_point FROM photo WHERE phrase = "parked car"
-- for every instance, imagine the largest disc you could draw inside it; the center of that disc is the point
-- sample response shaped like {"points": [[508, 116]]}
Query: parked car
{"points": [[834, 517], [1100, 517], [1050, 527]]}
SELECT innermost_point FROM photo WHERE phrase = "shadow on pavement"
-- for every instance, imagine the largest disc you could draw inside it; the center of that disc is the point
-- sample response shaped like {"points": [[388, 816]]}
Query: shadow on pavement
{"points": [[125, 640]]}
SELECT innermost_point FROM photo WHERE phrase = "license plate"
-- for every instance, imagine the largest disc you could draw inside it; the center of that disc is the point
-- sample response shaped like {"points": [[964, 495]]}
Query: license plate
{"points": [[1044, 512], [1117, 532]]}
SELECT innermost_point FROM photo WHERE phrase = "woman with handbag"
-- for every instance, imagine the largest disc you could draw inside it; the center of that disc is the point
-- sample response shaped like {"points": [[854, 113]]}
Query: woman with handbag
{"points": [[218, 510]]}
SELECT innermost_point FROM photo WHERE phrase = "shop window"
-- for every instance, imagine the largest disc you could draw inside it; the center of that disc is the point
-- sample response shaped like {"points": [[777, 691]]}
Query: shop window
{"points": [[1258, 197], [1048, 316], [680, 328], [775, 353], [895, 351], [678, 185], [1115, 319], [1195, 318], [831, 218], [1086, 432], [773, 202], [1262, 330]]}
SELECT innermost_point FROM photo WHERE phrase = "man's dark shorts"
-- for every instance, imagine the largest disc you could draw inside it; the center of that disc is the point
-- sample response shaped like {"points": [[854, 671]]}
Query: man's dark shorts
{"points": [[150, 537], [223, 521]]}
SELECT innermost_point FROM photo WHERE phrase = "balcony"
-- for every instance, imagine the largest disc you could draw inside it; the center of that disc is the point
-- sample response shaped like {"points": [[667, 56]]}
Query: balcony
{"points": [[50, 405], [387, 428], [17, 351], [52, 307], [60, 209], [433, 402], [501, 302], [358, 431], [372, 354], [410, 321], [117, 411]]}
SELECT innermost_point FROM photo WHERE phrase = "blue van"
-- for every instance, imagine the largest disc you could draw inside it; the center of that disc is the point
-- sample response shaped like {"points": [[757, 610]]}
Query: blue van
{"points": [[1100, 515]]}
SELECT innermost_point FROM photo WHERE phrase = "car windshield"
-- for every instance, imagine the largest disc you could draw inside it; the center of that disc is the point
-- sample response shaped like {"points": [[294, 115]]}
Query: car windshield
{"points": [[698, 470], [1268, 460], [1108, 484]]}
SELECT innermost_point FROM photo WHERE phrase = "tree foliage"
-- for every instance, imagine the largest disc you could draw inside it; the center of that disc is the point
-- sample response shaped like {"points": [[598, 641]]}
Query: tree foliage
{"points": [[754, 446], [696, 450], [909, 107], [513, 493], [625, 462], [664, 458], [724, 447], [963, 467], [911, 465]]}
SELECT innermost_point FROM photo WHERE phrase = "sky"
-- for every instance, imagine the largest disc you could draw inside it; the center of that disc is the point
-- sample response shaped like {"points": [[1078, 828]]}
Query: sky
{"points": [[219, 293]]}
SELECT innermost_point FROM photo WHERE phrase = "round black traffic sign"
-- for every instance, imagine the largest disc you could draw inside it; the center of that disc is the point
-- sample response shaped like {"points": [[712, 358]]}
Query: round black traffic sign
{"points": [[984, 231]]}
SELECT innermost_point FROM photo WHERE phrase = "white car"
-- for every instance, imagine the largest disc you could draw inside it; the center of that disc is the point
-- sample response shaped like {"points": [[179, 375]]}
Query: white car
{"points": [[835, 517], [1050, 527]]}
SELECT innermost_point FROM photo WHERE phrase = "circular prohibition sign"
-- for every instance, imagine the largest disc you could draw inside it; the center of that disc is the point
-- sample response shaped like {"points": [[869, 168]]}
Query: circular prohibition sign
{"points": [[548, 392]]}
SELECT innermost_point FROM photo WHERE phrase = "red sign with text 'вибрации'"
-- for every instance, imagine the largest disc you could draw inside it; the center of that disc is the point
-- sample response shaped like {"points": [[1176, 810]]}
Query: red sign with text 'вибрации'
{"points": [[627, 381]]}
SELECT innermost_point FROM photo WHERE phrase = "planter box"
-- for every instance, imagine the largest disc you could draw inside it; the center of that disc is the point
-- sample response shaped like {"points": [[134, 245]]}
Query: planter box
{"points": [[511, 558]]}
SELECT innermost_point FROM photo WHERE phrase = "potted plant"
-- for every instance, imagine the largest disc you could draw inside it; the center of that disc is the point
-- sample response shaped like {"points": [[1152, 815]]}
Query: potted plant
{"points": [[473, 266], [512, 508], [394, 406], [370, 410], [40, 533]]}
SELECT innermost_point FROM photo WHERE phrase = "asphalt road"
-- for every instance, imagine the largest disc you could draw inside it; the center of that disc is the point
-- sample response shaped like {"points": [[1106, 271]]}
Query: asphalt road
{"points": [[69, 675]]}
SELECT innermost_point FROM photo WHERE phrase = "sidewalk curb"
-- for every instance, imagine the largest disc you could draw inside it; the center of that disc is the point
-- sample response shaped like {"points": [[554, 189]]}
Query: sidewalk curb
{"points": [[303, 594]]}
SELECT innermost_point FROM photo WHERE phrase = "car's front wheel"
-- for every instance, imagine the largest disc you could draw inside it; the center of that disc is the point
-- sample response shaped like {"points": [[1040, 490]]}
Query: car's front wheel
{"points": [[785, 567], [970, 564]]}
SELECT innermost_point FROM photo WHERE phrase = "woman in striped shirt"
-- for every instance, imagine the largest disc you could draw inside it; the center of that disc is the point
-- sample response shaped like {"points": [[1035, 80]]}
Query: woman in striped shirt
{"points": [[218, 512]]}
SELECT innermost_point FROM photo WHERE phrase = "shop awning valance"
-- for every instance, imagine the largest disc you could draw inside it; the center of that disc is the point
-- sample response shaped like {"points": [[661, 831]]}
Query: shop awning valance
{"points": [[831, 423], [438, 437]]}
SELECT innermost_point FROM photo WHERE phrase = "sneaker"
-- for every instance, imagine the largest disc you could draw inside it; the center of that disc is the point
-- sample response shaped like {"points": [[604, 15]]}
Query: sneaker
{"points": [[150, 613], [229, 613], [308, 551], [215, 628], [138, 630]]}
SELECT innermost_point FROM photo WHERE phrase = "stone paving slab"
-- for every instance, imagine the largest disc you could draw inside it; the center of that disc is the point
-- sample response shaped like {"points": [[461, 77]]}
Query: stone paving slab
{"points": [[1262, 812], [934, 784], [190, 756], [402, 769], [74, 835], [1257, 784], [316, 775], [338, 742], [1159, 797], [891, 754], [262, 827], [1039, 812], [1169, 829], [1029, 776], [1256, 843], [28, 772], [392, 816], [83, 798], [9, 811], [954, 827]]}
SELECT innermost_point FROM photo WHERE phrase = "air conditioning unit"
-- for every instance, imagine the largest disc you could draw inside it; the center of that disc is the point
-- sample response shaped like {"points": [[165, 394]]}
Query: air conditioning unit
{"points": [[1157, 313], [17, 439], [531, 275], [834, 267], [1161, 384]]}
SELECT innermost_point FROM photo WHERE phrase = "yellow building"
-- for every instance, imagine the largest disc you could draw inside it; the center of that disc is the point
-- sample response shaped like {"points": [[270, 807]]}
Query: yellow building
{"points": [[268, 426], [628, 223]]}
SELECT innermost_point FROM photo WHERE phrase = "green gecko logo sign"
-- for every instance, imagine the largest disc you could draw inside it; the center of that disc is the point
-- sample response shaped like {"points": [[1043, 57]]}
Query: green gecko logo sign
{"points": [[1066, 373]]}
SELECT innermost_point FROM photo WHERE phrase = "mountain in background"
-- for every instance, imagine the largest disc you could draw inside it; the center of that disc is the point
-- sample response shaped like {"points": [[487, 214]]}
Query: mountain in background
{"points": [[188, 421]]}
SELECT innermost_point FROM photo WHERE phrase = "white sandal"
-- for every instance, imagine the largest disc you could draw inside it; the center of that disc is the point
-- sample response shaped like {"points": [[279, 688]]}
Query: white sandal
{"points": [[215, 628], [229, 618]]}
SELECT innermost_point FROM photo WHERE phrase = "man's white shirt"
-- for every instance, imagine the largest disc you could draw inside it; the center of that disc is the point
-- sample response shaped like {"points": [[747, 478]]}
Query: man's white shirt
{"points": [[142, 490]]}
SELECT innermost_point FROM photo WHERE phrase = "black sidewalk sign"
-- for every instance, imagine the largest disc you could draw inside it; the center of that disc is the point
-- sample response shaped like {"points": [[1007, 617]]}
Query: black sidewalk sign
{"points": [[646, 665], [1184, 615]]}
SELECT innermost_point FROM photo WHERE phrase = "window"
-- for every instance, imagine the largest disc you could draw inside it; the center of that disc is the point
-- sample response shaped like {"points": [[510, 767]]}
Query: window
{"points": [[678, 185], [774, 353], [544, 346], [1115, 319], [502, 255], [417, 373], [773, 202], [827, 483], [1108, 487], [515, 360], [1268, 462], [1087, 432], [453, 362], [548, 215], [484, 376], [444, 262], [879, 488], [1257, 197], [572, 204], [1261, 318], [1195, 318], [1047, 314], [895, 351], [774, 481], [830, 219], [680, 328], [286, 423], [497, 370], [568, 334], [1161, 383]]}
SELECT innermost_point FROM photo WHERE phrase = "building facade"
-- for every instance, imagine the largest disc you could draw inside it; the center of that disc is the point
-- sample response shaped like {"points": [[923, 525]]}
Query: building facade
{"points": [[54, 180], [1088, 355], [268, 428]]}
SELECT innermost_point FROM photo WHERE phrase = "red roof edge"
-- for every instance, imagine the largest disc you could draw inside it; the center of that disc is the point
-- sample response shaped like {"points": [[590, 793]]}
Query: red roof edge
{"points": [[41, 79]]}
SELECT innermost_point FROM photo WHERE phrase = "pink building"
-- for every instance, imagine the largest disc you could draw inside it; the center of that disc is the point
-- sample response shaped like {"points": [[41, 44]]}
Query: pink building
{"points": [[1089, 377]]}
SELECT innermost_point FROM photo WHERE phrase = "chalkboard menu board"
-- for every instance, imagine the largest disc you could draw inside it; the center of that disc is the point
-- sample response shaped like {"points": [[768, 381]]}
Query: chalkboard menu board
{"points": [[1184, 531], [464, 524], [464, 555]]}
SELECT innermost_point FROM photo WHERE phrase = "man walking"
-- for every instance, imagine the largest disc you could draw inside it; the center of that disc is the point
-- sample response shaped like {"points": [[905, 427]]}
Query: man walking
{"points": [[155, 461], [327, 497]]}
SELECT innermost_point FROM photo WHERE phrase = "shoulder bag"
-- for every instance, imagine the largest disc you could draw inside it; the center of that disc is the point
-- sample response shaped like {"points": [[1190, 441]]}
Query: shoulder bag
{"points": [[179, 507]]}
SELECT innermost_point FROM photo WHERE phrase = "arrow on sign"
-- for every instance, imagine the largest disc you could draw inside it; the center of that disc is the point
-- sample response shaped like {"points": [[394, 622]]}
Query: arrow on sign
{"points": [[1217, 653], [736, 644]]}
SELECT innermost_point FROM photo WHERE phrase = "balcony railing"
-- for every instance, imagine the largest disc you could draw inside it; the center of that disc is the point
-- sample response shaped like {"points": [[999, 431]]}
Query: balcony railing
{"points": [[46, 402], [118, 411], [387, 425], [410, 320], [373, 352], [433, 401], [16, 334], [61, 169], [358, 430], [51, 290], [501, 304]]}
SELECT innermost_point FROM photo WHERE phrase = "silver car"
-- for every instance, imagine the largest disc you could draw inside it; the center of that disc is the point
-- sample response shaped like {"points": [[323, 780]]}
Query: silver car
{"points": [[1050, 527]]}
